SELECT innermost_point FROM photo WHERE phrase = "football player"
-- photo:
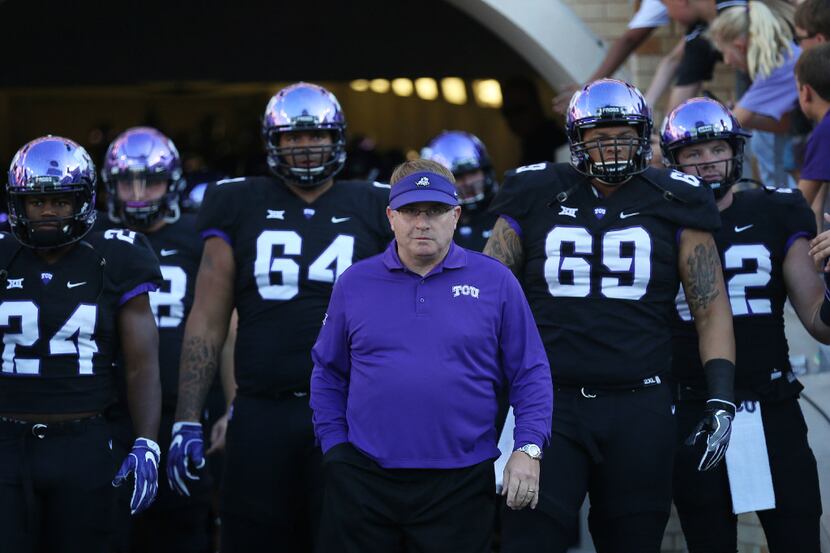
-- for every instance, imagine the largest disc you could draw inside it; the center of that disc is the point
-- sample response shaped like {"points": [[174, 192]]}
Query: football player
{"points": [[70, 299], [143, 177], [763, 245], [273, 249], [601, 245], [466, 156]]}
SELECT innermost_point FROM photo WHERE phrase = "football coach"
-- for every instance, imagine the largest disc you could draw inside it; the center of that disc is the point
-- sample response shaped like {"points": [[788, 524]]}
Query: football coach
{"points": [[416, 345]]}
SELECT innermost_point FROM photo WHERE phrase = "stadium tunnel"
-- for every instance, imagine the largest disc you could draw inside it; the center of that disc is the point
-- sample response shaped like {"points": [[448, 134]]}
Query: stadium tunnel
{"points": [[202, 71]]}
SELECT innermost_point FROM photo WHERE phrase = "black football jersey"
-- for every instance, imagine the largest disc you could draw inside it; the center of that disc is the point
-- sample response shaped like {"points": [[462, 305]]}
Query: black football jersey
{"points": [[288, 254], [601, 274], [474, 228], [59, 321], [758, 230]]}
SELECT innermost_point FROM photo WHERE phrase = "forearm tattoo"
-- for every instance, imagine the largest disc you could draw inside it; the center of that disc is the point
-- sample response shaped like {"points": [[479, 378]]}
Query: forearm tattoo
{"points": [[198, 367], [701, 288], [506, 246]]}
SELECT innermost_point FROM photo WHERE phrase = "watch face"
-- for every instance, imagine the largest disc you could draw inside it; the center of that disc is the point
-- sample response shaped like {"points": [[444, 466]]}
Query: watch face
{"points": [[533, 450]]}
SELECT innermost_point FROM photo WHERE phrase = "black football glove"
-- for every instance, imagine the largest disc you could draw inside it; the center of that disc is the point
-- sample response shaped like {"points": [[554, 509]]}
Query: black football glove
{"points": [[716, 426]]}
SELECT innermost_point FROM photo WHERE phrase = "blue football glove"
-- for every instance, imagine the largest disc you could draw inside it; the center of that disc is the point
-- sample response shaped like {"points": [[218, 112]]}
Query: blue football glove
{"points": [[716, 426], [143, 463], [187, 449]]}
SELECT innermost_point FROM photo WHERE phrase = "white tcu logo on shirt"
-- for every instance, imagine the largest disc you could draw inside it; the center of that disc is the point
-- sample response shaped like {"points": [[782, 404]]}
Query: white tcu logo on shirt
{"points": [[464, 290]]}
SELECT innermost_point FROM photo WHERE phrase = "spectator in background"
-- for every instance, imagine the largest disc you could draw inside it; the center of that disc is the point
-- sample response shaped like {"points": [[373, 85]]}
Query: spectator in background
{"points": [[812, 23], [651, 15], [768, 59], [540, 136], [813, 75], [812, 29]]}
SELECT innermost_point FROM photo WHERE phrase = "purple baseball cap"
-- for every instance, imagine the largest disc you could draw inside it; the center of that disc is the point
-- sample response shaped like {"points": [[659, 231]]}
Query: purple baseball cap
{"points": [[422, 187]]}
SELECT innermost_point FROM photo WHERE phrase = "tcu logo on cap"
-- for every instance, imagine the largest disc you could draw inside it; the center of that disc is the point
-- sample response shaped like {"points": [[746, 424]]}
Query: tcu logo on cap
{"points": [[423, 181], [464, 290]]}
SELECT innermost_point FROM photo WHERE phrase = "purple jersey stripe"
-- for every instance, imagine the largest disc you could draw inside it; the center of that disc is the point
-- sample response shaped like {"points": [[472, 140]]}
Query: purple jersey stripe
{"points": [[140, 289], [513, 223], [794, 237], [205, 234]]}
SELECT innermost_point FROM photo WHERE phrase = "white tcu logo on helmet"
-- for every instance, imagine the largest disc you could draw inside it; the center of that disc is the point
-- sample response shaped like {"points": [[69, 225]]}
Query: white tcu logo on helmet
{"points": [[423, 181], [464, 290]]}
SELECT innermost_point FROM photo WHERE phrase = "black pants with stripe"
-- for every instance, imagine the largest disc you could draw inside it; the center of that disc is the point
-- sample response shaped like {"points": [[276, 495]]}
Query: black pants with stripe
{"points": [[369, 509]]}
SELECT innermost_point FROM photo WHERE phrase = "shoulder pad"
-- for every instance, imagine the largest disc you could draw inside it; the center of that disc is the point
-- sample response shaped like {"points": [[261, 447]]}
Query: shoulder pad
{"points": [[787, 196], [684, 187]]}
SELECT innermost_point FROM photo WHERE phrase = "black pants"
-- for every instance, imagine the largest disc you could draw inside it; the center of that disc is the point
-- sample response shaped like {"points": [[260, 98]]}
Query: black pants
{"points": [[272, 485], [56, 492], [704, 502], [371, 509], [616, 447]]}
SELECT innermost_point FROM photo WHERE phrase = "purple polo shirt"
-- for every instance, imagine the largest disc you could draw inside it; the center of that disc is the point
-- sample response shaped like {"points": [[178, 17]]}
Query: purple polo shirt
{"points": [[816, 158], [407, 368]]}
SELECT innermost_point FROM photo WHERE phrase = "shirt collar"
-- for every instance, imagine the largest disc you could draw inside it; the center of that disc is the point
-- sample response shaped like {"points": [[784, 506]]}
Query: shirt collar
{"points": [[456, 258]]}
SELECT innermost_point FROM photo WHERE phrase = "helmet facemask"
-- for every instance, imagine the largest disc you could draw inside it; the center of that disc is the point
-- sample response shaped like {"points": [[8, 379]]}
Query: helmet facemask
{"points": [[306, 166], [614, 159], [51, 232]]}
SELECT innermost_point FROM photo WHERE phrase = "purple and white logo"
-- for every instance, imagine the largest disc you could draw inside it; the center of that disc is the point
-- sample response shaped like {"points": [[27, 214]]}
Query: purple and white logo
{"points": [[599, 212], [422, 182]]}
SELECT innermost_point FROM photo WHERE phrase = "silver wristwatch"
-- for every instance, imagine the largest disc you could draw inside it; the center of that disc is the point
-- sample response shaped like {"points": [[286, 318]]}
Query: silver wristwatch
{"points": [[532, 450]]}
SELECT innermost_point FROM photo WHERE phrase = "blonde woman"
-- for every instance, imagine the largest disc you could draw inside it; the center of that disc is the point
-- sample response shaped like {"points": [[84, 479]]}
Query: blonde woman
{"points": [[759, 41]]}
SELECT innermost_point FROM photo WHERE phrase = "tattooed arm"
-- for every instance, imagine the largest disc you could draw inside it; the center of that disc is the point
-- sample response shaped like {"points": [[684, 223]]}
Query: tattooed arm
{"points": [[207, 328], [506, 246], [700, 271]]}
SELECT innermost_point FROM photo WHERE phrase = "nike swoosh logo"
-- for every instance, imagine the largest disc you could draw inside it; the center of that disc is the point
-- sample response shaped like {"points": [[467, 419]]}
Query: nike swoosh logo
{"points": [[165, 253], [74, 284], [741, 229], [336, 220], [624, 215]]}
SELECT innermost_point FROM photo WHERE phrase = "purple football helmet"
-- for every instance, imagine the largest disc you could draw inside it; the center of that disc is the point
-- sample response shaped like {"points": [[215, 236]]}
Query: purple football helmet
{"points": [[304, 107], [49, 166], [701, 120], [604, 103], [139, 163], [463, 153]]}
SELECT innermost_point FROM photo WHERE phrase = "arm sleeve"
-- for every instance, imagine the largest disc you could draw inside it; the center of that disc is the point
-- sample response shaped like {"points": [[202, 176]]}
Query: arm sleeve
{"points": [[330, 376], [526, 368], [217, 215], [652, 13], [136, 267], [816, 161], [775, 94], [795, 216]]}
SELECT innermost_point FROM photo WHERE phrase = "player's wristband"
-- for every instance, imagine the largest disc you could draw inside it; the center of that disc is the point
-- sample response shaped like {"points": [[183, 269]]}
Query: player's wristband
{"points": [[824, 314], [720, 379]]}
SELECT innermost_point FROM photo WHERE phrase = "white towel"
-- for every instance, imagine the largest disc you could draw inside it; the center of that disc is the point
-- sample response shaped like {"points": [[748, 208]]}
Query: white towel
{"points": [[506, 448], [747, 462]]}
